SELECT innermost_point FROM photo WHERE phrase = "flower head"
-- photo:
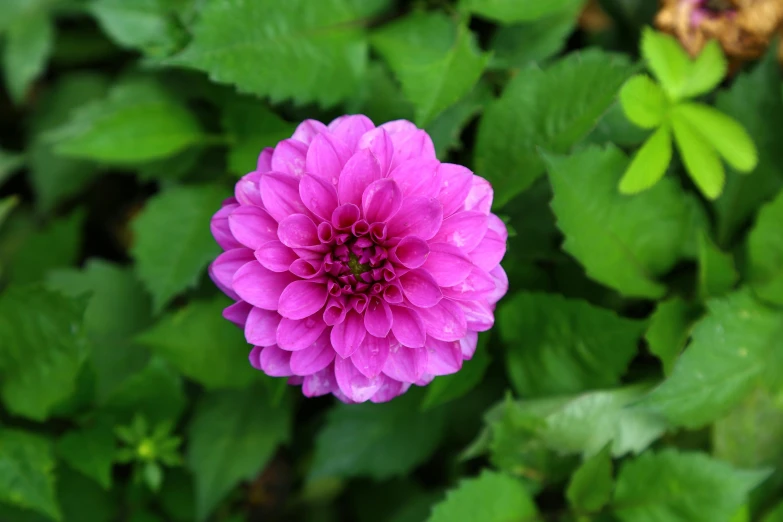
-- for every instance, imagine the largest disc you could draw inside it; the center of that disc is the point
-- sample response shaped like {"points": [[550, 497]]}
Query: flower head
{"points": [[359, 263]]}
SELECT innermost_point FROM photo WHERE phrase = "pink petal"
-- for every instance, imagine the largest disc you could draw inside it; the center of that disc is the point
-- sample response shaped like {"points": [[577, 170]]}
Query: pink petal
{"points": [[275, 362], [478, 285], [443, 358], [480, 196], [418, 216], [252, 226], [352, 383], [275, 256], [370, 357], [319, 383], [468, 345], [409, 141], [307, 130], [382, 147], [345, 216], [289, 157], [261, 327], [297, 231], [255, 357], [489, 252], [298, 334], [351, 128], [463, 229], [405, 364], [314, 358], [445, 321], [392, 293], [246, 190], [222, 269], [335, 311], [301, 299], [500, 279], [389, 389], [408, 327], [259, 286], [280, 193], [237, 313], [220, 229], [361, 170], [411, 252], [418, 177], [378, 317], [478, 315], [420, 288], [318, 195], [496, 224], [456, 182], [381, 200], [447, 264], [305, 268], [264, 162], [348, 335], [326, 158]]}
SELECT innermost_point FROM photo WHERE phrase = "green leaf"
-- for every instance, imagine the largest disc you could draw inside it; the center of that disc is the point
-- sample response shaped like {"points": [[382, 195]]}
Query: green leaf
{"points": [[156, 393], [490, 497], [202, 345], [446, 388], [445, 130], [754, 101], [44, 346], [649, 164], [670, 329], [118, 307], [251, 127], [381, 98], [590, 487], [317, 50], [90, 451], [82, 500], [700, 158], [233, 434], [6, 206], [27, 48], [27, 479], [138, 121], [750, 434], [644, 102], [376, 440], [765, 252], [735, 347], [551, 110], [717, 275], [436, 62], [681, 487], [774, 515], [519, 45], [668, 62], [146, 25], [9, 163], [557, 346], [706, 71], [614, 127], [172, 258], [623, 242], [511, 11], [722, 133]]}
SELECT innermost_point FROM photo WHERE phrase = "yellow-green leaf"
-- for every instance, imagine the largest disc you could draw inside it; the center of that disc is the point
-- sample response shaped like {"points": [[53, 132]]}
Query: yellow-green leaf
{"points": [[643, 101], [650, 163], [667, 61], [706, 71], [701, 160]]}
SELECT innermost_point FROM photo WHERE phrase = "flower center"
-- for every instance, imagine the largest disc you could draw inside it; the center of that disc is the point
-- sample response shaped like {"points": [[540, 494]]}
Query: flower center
{"points": [[356, 267]]}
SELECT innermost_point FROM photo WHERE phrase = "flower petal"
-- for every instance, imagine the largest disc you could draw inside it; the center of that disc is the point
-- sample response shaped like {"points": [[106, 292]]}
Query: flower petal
{"points": [[326, 158], [314, 358], [447, 264], [463, 229], [319, 383], [405, 364], [345, 216], [301, 299], [443, 358], [275, 362], [409, 141], [298, 334], [261, 327], [489, 252], [381, 200], [352, 383], [237, 313], [420, 288], [418, 177], [382, 147], [264, 162], [361, 170], [378, 317], [246, 190], [351, 128], [280, 193], [252, 226], [468, 345], [297, 231], [307, 130], [389, 389], [318, 195], [370, 357], [348, 335], [480, 196], [220, 229], [259, 286], [445, 321], [275, 256], [410, 252], [222, 269], [456, 182], [478, 315], [418, 216], [408, 327], [289, 157], [478, 285]]}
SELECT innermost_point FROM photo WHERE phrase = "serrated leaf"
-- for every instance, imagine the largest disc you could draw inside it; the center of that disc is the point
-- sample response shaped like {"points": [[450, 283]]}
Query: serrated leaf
{"points": [[717, 274], [614, 127], [147, 25], [750, 434], [765, 252], [172, 258], [643, 101], [590, 487], [317, 50], [535, 41], [511, 11], [28, 45], [445, 130], [376, 440], [668, 62], [381, 98], [449, 387], [27, 480], [490, 497], [436, 74], [735, 347], [155, 392], [251, 127], [727, 136], [669, 330], [90, 451], [649, 164], [558, 346], [202, 345], [623, 242], [137, 122], [706, 71], [43, 348], [681, 487], [548, 110], [232, 435], [700, 158]]}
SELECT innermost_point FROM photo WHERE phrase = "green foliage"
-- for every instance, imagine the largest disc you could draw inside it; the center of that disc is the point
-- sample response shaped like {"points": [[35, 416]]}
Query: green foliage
{"points": [[765, 252], [449, 387], [591, 485], [717, 274], [27, 48], [27, 480], [510, 11], [90, 451], [669, 330]]}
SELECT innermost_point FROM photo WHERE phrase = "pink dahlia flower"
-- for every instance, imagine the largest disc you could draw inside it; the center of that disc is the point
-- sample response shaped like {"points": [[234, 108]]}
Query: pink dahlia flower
{"points": [[359, 263]]}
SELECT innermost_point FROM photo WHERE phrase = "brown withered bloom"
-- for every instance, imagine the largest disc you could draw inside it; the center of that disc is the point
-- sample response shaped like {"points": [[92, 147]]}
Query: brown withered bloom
{"points": [[744, 28]]}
